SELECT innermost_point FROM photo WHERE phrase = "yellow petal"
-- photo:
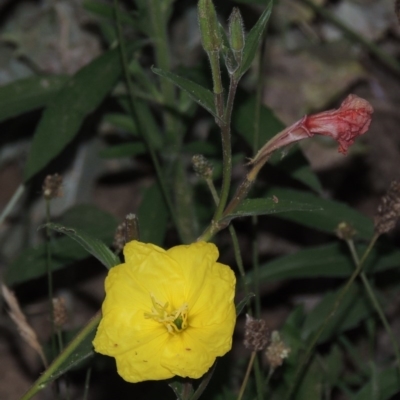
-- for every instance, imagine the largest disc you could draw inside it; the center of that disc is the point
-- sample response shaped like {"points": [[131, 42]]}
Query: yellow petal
{"points": [[143, 348]]}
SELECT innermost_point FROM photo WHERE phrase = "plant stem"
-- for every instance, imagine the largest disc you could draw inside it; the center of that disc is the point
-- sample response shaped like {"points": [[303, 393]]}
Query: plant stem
{"points": [[162, 55], [225, 126], [147, 142], [45, 378], [375, 302], [87, 383], [11, 203], [50, 280], [303, 363], [247, 375]]}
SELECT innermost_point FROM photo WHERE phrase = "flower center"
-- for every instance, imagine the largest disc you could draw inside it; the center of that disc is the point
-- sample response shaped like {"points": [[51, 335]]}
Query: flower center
{"points": [[175, 321]]}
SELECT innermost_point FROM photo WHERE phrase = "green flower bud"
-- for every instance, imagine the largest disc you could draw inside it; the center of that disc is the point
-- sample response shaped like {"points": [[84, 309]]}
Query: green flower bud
{"points": [[208, 22], [236, 31]]}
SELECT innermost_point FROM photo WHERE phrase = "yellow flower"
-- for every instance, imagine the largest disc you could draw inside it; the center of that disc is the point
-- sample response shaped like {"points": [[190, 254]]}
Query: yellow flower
{"points": [[167, 313]]}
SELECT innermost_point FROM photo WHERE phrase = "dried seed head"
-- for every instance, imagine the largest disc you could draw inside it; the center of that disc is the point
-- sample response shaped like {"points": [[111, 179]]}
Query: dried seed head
{"points": [[345, 231], [277, 351], [24, 329], [60, 315], [119, 237], [388, 211], [126, 231], [202, 166], [256, 335], [52, 186]]}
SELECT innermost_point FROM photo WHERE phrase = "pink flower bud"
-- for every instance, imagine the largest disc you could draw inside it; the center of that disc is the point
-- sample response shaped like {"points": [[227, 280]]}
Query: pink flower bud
{"points": [[350, 120]]}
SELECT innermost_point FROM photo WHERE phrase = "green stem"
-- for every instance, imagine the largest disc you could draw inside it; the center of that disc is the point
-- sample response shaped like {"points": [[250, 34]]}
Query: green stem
{"points": [[87, 383], [303, 363], [374, 49], [45, 378], [50, 280], [375, 302], [226, 150], [162, 55], [10, 205], [146, 140]]}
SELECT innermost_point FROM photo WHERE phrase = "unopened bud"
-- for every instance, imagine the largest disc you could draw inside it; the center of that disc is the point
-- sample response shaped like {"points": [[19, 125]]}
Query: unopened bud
{"points": [[277, 351], [236, 33], [202, 166], [52, 186], [209, 30], [388, 212], [345, 231], [256, 335]]}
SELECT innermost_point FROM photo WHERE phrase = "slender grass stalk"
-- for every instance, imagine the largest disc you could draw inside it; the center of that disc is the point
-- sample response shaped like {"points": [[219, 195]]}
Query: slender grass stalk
{"points": [[302, 366], [153, 155], [11, 204], [247, 375], [50, 280], [239, 263], [157, 13], [375, 302], [45, 378], [87, 383]]}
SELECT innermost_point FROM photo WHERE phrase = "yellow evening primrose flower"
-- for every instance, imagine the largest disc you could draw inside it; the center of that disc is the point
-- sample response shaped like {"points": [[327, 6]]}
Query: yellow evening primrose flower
{"points": [[167, 312]]}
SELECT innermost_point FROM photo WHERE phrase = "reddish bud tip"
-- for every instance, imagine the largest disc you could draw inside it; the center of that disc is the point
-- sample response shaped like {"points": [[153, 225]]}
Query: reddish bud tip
{"points": [[345, 124]]}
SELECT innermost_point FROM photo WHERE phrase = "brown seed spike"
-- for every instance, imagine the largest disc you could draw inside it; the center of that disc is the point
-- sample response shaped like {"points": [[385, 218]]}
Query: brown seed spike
{"points": [[256, 337], [388, 211]]}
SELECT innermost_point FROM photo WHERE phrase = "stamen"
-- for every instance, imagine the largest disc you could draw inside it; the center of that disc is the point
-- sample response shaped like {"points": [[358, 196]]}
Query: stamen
{"points": [[175, 321]]}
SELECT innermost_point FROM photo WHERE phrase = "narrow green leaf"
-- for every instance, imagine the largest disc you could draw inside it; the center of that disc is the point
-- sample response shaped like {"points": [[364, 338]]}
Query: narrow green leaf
{"points": [[199, 94], [91, 244], [242, 303], [123, 150], [63, 117], [28, 94], [153, 216], [271, 205], [331, 213], [79, 349], [122, 121], [254, 38], [354, 307], [388, 382], [107, 11], [188, 225], [145, 122], [332, 260], [82, 352], [32, 262]]}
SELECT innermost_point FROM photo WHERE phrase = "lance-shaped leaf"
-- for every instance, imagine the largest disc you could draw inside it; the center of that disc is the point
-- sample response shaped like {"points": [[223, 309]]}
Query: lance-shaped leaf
{"points": [[32, 262], [271, 205], [78, 350], [91, 244], [330, 214], [64, 116], [354, 307], [199, 94], [332, 260], [28, 94], [240, 306], [253, 40]]}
